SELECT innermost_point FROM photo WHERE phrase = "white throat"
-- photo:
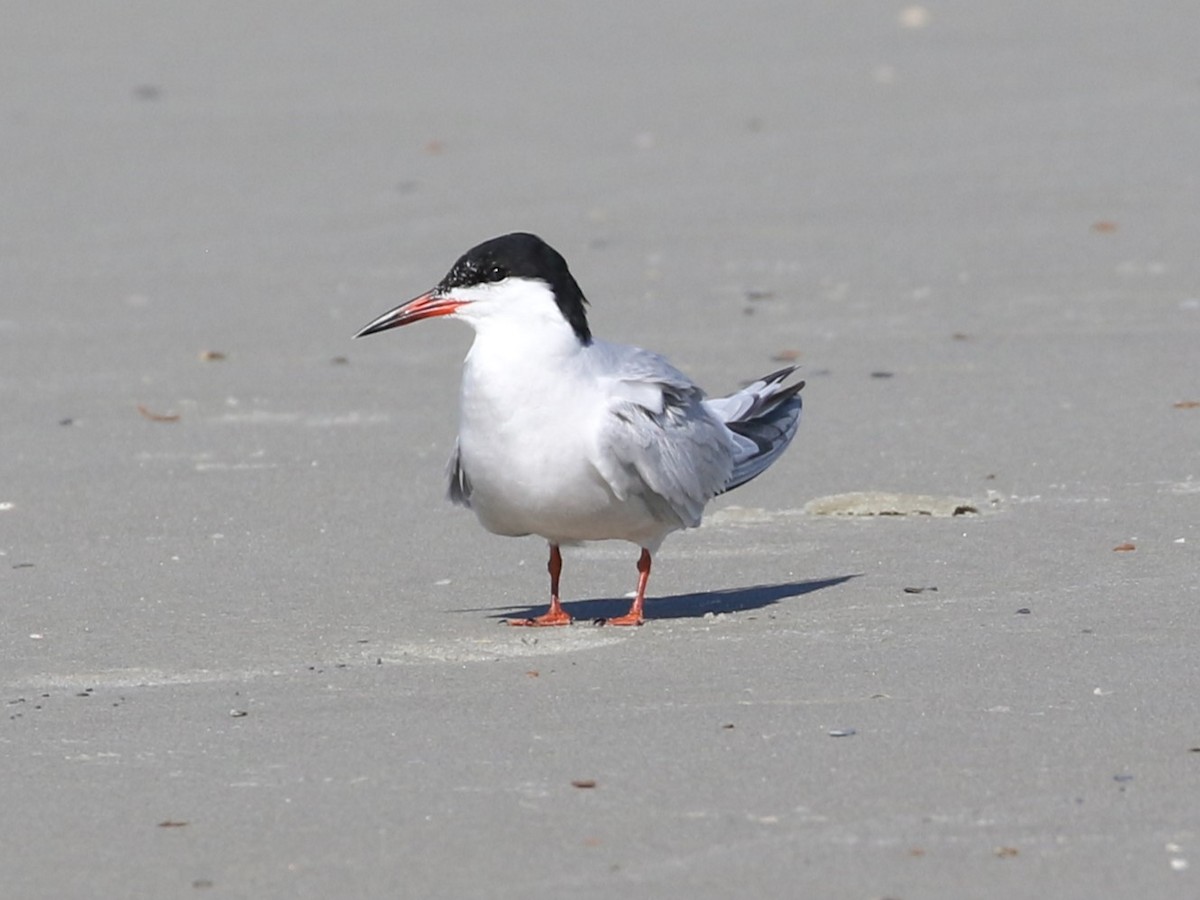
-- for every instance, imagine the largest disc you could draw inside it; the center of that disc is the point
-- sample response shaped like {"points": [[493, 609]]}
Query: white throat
{"points": [[517, 323]]}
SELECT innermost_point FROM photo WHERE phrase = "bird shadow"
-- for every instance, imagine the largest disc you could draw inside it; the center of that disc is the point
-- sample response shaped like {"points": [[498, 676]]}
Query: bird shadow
{"points": [[681, 606]]}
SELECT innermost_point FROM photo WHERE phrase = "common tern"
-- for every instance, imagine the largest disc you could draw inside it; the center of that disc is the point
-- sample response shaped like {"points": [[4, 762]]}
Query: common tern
{"points": [[577, 439]]}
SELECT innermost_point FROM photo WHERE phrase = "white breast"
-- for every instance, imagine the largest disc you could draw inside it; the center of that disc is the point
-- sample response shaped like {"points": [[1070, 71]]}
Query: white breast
{"points": [[531, 412]]}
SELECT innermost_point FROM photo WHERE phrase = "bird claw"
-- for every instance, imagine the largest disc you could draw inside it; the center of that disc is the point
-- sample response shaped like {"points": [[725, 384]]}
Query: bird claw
{"points": [[549, 619], [627, 619]]}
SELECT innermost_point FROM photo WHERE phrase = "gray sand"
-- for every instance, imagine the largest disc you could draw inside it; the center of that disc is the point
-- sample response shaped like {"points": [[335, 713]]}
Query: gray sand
{"points": [[253, 653]]}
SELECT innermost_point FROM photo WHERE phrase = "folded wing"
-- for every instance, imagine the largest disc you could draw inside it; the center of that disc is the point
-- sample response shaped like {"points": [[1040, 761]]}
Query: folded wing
{"points": [[660, 442]]}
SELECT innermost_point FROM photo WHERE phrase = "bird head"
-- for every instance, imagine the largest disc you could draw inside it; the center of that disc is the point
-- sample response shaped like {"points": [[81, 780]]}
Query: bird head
{"points": [[516, 278]]}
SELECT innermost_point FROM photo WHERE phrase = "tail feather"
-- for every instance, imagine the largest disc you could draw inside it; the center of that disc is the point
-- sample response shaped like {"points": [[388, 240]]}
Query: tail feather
{"points": [[763, 417]]}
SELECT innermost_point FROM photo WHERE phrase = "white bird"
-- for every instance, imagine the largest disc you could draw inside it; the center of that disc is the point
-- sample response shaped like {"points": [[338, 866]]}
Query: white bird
{"points": [[577, 439]]}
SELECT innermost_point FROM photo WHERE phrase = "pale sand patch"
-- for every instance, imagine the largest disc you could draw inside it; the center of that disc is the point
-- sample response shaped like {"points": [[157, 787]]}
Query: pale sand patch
{"points": [[550, 643], [884, 503], [137, 676]]}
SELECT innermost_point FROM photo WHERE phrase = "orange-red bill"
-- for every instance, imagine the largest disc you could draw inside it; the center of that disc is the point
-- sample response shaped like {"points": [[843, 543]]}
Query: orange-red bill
{"points": [[426, 306]]}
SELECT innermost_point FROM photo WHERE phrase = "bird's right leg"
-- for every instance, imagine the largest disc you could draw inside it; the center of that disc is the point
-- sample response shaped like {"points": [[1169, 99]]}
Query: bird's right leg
{"points": [[556, 615]]}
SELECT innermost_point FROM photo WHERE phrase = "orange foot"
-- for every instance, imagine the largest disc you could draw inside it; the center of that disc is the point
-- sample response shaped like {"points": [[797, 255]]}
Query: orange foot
{"points": [[627, 619], [554, 617]]}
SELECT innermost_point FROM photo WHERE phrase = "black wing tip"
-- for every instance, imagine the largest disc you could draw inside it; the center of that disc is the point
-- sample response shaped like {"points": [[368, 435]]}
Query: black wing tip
{"points": [[780, 395], [792, 390], [778, 375]]}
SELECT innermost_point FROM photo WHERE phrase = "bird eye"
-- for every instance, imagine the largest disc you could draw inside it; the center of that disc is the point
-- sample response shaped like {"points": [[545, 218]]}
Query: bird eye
{"points": [[496, 272]]}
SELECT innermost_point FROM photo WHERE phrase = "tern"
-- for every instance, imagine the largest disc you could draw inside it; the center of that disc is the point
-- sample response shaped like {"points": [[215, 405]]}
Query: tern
{"points": [[573, 438]]}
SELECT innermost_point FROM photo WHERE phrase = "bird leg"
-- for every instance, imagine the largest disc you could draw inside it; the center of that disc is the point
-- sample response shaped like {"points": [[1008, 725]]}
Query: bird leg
{"points": [[634, 616], [556, 615]]}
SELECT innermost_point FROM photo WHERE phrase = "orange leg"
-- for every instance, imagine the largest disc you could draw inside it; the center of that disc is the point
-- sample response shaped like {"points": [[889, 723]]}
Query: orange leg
{"points": [[634, 616], [556, 615]]}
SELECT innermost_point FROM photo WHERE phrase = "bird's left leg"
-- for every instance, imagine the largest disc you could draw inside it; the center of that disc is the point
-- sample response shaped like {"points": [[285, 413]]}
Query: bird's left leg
{"points": [[634, 616], [556, 615]]}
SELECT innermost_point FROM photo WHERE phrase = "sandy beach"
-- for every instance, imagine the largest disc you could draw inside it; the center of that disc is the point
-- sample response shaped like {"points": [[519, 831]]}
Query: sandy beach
{"points": [[945, 648]]}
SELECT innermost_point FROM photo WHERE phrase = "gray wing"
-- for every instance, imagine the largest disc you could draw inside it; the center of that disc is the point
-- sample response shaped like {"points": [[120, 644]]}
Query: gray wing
{"points": [[659, 441], [763, 417], [460, 484]]}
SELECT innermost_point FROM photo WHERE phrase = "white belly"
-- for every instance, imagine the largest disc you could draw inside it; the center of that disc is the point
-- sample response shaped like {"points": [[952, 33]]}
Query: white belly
{"points": [[526, 443]]}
